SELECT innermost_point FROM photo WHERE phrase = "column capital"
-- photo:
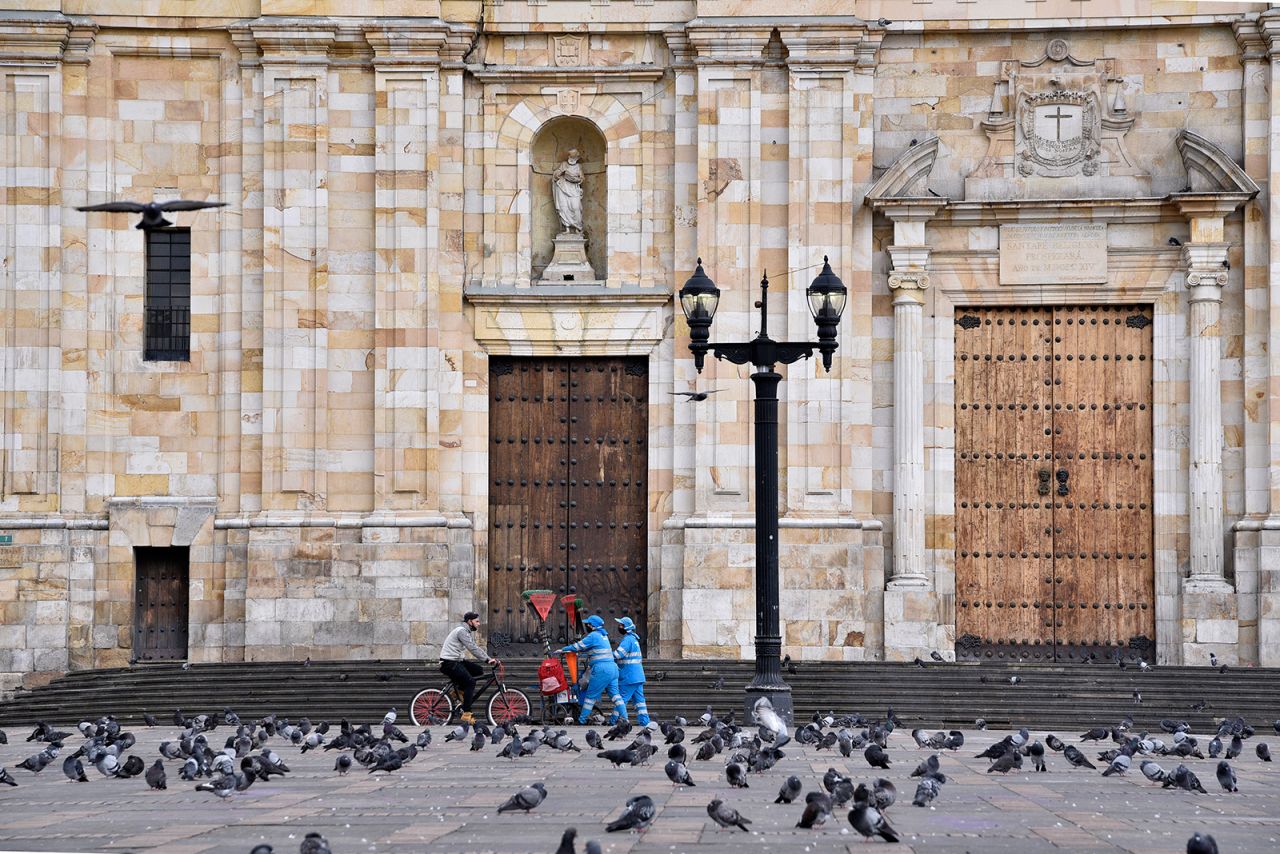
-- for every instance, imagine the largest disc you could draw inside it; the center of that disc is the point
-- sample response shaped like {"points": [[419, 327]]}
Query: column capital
{"points": [[1268, 24], [1206, 264], [285, 42], [413, 44], [1249, 37], [816, 46], [682, 51], [908, 280], [725, 41]]}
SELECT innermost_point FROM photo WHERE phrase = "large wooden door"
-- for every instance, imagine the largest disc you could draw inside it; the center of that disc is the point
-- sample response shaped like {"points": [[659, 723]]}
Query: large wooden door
{"points": [[568, 493], [1054, 483], [161, 592]]}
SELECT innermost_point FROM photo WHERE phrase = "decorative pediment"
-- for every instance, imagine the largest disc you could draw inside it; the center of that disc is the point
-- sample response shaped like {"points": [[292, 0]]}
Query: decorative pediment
{"points": [[1056, 129], [1209, 168], [908, 175]]}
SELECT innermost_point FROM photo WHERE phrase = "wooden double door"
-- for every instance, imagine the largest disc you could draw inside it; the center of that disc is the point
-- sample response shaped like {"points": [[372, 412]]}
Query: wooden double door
{"points": [[1054, 550], [162, 582], [568, 492]]}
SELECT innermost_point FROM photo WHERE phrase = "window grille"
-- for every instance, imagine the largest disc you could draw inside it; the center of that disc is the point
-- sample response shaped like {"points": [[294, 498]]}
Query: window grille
{"points": [[168, 295]]}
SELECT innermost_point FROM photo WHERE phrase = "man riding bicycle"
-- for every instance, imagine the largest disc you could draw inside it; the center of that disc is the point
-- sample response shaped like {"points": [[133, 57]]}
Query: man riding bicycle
{"points": [[463, 673]]}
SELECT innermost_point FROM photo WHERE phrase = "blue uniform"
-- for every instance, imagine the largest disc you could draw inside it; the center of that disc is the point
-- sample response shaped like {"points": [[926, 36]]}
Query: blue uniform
{"points": [[631, 675], [604, 673]]}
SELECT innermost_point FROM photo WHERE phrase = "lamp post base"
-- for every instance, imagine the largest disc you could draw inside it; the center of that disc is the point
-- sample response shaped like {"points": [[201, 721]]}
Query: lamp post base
{"points": [[779, 695]]}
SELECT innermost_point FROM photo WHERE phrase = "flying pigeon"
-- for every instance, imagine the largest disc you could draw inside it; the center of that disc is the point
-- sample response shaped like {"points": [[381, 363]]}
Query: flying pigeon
{"points": [[695, 396], [525, 799], [637, 815], [152, 213], [726, 816]]}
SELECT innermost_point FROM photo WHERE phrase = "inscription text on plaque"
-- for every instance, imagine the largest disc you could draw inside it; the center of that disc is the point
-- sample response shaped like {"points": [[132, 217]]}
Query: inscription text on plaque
{"points": [[1071, 254]]}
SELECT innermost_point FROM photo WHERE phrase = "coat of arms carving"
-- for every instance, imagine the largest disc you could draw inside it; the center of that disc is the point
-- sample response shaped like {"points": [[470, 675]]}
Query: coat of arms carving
{"points": [[567, 51], [1053, 118]]}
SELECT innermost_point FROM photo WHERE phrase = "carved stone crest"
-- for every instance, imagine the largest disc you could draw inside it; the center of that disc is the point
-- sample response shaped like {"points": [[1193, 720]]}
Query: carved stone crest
{"points": [[1052, 118], [568, 51], [568, 100]]}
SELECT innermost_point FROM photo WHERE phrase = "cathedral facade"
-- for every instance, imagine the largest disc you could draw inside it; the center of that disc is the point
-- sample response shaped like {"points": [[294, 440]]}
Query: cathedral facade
{"points": [[410, 369]]}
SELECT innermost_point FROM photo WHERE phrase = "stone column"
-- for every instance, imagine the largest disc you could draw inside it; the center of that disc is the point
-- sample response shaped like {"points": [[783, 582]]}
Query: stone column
{"points": [[1206, 277], [913, 624]]}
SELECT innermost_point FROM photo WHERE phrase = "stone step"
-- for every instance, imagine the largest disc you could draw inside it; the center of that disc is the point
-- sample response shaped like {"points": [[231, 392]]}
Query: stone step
{"points": [[1065, 697]]}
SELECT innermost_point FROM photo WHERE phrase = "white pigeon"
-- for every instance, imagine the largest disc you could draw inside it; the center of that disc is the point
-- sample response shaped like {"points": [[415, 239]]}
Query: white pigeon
{"points": [[766, 717]]}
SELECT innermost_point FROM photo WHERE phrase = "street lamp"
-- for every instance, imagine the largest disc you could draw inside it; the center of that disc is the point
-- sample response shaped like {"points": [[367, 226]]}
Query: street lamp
{"points": [[699, 299]]}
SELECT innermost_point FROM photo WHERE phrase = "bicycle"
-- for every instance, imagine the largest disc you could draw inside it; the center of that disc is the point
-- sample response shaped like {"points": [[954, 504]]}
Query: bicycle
{"points": [[434, 706]]}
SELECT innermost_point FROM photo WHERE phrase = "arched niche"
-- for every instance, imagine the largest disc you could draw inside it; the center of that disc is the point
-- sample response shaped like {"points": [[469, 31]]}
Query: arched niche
{"points": [[550, 147]]}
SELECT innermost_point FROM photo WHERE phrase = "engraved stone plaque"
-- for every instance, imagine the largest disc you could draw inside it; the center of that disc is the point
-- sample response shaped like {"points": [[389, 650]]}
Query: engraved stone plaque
{"points": [[1051, 254]]}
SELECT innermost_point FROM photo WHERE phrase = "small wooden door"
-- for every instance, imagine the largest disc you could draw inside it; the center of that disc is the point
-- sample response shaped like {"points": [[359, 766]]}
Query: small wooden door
{"points": [[162, 582], [1054, 482], [568, 493]]}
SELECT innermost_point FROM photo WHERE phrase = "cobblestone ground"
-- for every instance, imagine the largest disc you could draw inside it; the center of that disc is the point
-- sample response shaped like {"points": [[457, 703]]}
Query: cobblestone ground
{"points": [[445, 800]]}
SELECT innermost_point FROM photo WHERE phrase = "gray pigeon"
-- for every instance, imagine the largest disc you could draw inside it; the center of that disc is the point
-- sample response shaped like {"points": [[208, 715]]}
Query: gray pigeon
{"points": [[74, 769], [525, 799], [1036, 751], [1201, 843], [343, 763], [870, 822], [314, 843], [1076, 758], [1264, 752], [566, 841], [7, 778], [1005, 763], [221, 785], [789, 791], [1119, 765], [1226, 777], [1152, 771], [926, 790], [678, 774], [593, 740], [637, 815], [155, 776], [817, 809], [876, 757], [726, 816], [737, 775]]}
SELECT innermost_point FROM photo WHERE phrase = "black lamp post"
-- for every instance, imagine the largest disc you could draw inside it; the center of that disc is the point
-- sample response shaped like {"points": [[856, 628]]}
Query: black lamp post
{"points": [[699, 298]]}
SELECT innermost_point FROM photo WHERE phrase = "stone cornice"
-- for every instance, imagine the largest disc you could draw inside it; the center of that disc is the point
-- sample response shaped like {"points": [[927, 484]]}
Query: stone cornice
{"points": [[907, 176], [1253, 46], [830, 45], [412, 44], [45, 39], [294, 41], [564, 74], [730, 41]]}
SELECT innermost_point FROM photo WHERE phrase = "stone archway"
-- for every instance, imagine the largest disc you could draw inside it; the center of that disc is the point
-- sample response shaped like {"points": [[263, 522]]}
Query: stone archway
{"points": [[550, 146]]}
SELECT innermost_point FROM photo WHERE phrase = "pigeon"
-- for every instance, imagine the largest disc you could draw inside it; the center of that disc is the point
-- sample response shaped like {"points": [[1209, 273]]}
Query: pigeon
{"points": [[980, 723], [1264, 752], [314, 843], [1054, 742], [718, 684], [525, 799], [343, 763], [817, 809], [155, 776], [870, 822], [935, 656], [926, 790], [593, 740], [221, 785], [1152, 771], [678, 774], [566, 841], [1036, 751], [790, 789], [7, 778], [1226, 777], [1201, 843], [637, 815], [695, 396], [74, 769], [1236, 746], [927, 766], [132, 767], [153, 217], [1096, 734], [1006, 763], [876, 757], [1076, 758], [737, 775], [1184, 778], [149, 719], [678, 753], [1118, 766], [726, 816]]}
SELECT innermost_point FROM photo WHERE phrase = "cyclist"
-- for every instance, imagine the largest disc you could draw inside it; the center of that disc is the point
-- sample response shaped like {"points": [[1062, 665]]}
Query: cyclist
{"points": [[463, 673]]}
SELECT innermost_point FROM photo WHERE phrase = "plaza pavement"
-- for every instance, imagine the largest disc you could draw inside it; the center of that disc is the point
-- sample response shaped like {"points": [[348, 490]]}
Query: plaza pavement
{"points": [[446, 801]]}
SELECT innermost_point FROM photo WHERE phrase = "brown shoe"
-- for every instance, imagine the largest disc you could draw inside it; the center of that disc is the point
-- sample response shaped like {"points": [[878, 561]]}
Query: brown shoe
{"points": [[468, 718]]}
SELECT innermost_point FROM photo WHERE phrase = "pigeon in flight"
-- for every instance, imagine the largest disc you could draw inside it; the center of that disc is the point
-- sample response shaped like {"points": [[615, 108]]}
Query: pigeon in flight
{"points": [[637, 815], [152, 212], [726, 816], [525, 799], [695, 396]]}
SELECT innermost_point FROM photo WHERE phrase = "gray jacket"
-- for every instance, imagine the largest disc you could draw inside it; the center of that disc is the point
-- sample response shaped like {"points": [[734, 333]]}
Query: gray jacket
{"points": [[459, 640]]}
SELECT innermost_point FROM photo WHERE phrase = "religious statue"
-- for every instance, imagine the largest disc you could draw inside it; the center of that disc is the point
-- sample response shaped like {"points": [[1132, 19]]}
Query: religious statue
{"points": [[566, 183]]}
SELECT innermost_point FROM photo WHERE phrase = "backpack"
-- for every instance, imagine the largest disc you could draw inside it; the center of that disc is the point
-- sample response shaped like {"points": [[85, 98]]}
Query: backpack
{"points": [[551, 677]]}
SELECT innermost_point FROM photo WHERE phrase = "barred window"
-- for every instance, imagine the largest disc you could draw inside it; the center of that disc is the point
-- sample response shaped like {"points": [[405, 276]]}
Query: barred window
{"points": [[168, 295]]}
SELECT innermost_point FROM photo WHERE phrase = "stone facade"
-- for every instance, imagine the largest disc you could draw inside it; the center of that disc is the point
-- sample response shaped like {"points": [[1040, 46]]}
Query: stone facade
{"points": [[322, 455]]}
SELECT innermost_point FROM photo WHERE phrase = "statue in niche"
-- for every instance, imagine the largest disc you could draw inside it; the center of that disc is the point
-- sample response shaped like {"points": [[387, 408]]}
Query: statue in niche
{"points": [[566, 184]]}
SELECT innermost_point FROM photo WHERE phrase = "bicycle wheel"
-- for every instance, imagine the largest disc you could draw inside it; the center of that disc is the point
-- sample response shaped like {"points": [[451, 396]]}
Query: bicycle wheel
{"points": [[431, 707], [507, 705]]}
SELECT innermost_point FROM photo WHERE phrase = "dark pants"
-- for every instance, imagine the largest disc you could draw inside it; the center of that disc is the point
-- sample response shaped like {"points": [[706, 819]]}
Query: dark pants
{"points": [[463, 674]]}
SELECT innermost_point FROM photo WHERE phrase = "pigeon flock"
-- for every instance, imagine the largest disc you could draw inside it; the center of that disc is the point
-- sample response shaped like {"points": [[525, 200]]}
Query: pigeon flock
{"points": [[223, 756]]}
